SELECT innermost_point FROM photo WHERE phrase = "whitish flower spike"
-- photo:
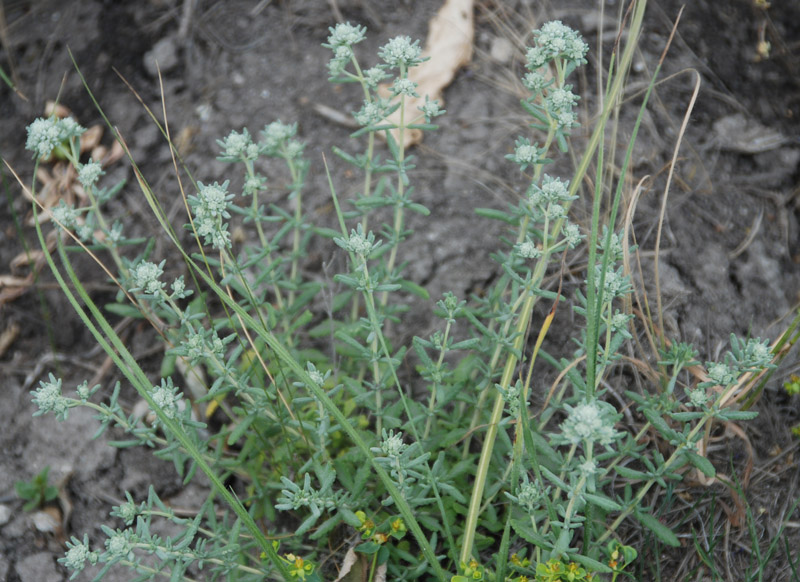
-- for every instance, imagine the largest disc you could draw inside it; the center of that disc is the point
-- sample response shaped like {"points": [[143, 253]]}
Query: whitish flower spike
{"points": [[65, 215], [526, 154], [47, 134], [145, 278], [119, 544], [359, 243], [392, 444], [89, 173], [721, 374], [238, 146], [528, 250], [48, 398], [558, 40], [401, 52], [593, 421], [345, 34], [78, 553], [404, 86], [430, 109], [167, 397]]}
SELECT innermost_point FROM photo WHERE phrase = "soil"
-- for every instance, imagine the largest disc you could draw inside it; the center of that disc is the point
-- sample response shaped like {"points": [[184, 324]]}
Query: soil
{"points": [[730, 247]]}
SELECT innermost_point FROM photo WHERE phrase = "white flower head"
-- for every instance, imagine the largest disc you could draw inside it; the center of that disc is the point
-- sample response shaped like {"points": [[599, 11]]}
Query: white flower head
{"points": [[558, 40], [698, 398], [49, 398], [374, 76], [238, 146], [401, 51], [529, 494], [275, 134], [528, 250], [359, 243], [526, 154], [572, 234], [372, 112], [65, 215], [89, 173], [721, 374], [119, 544], [404, 86], [47, 134], [590, 420], [345, 34], [145, 278], [166, 397], [315, 374], [430, 109], [392, 444], [78, 553]]}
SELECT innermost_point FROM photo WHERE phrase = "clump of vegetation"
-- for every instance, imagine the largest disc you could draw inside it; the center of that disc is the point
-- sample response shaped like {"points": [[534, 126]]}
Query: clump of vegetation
{"points": [[450, 474]]}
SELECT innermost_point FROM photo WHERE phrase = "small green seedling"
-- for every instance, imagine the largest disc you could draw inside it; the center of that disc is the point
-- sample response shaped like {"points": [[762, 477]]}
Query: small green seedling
{"points": [[36, 492]]}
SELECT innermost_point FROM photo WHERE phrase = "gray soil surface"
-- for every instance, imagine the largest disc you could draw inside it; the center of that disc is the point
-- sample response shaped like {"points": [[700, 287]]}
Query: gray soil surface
{"points": [[730, 247]]}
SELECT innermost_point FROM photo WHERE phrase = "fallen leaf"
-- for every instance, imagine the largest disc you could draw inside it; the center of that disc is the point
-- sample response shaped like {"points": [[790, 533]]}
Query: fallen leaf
{"points": [[350, 574], [449, 43], [7, 337]]}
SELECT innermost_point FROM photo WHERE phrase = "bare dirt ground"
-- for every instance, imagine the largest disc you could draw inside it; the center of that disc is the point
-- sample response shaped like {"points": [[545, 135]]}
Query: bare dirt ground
{"points": [[730, 254]]}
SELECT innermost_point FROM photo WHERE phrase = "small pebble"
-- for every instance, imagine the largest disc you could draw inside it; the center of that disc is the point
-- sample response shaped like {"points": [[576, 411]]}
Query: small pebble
{"points": [[501, 50], [165, 53]]}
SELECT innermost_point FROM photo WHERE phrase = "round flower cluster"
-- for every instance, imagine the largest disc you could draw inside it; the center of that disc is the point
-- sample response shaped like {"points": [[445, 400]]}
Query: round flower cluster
{"points": [[145, 278], [89, 173], [404, 86], [721, 374], [359, 243], [65, 215], [345, 34], [48, 398], [78, 553], [238, 147], [430, 109], [372, 112], [555, 40], [560, 104], [526, 154], [530, 495], [392, 444], [47, 134], [593, 421], [275, 135], [401, 52], [166, 397], [528, 250], [209, 208]]}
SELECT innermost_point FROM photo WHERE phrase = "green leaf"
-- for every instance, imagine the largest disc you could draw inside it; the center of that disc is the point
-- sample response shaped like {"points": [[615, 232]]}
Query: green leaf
{"points": [[419, 209], [660, 530], [661, 425], [603, 502], [240, 429], [525, 531], [124, 310], [703, 464], [368, 548], [496, 215], [736, 414], [415, 289], [686, 416], [589, 563], [466, 344], [632, 473]]}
